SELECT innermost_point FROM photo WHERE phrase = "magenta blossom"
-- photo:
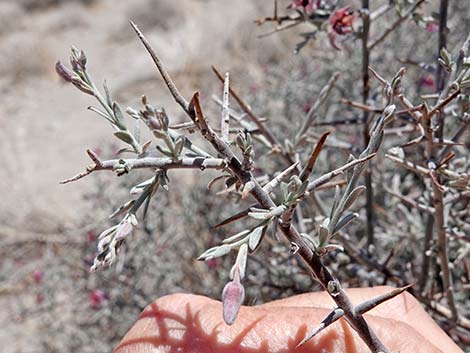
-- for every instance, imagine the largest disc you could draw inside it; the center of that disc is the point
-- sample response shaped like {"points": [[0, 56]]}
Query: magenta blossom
{"points": [[432, 27], [340, 22], [428, 81], [90, 236], [97, 298], [38, 276], [39, 298], [211, 263]]}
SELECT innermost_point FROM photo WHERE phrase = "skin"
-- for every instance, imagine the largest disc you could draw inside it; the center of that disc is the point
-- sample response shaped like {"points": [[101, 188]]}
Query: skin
{"points": [[186, 323]]}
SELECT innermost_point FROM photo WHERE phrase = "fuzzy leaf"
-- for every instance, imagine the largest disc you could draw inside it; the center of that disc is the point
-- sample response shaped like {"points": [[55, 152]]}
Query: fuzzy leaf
{"points": [[158, 134], [323, 235], [214, 252], [353, 197], [137, 130], [124, 136], [240, 263], [260, 215], [179, 144], [119, 116], [349, 173], [122, 209], [255, 238], [236, 237], [164, 151], [335, 201], [107, 94]]}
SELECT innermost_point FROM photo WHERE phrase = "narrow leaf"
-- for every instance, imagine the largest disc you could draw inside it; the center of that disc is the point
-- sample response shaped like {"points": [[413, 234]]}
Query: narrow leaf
{"points": [[344, 222], [236, 237], [352, 197], [124, 136], [214, 252]]}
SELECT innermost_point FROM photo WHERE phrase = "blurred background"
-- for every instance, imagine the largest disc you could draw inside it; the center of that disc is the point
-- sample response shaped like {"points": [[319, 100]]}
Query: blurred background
{"points": [[49, 302]]}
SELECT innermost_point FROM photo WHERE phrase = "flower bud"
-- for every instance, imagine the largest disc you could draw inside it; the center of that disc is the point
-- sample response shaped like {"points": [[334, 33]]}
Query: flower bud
{"points": [[233, 296], [64, 72]]}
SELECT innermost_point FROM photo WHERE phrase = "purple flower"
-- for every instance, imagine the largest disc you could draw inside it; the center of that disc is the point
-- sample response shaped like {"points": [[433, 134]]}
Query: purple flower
{"points": [[97, 298]]}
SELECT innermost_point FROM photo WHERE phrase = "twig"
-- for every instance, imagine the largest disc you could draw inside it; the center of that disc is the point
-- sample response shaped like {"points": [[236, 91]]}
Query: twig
{"points": [[269, 187], [225, 121], [312, 113], [365, 120], [394, 25], [441, 104], [411, 202], [304, 175], [278, 19], [409, 165], [365, 107], [425, 256], [439, 221], [372, 264], [382, 10], [443, 256], [440, 74], [328, 176], [458, 134], [331, 318], [369, 305], [361, 308], [279, 28], [166, 77], [286, 217], [316, 184], [152, 162], [269, 136]]}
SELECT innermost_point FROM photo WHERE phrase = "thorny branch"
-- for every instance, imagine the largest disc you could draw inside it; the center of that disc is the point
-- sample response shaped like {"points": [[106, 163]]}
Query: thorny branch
{"points": [[262, 197]]}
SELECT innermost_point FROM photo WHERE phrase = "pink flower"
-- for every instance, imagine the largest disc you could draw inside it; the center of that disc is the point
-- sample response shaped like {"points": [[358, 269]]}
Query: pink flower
{"points": [[308, 5], [211, 263], [307, 106], [39, 298], [432, 27], [97, 298], [38, 276], [340, 22], [428, 81]]}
